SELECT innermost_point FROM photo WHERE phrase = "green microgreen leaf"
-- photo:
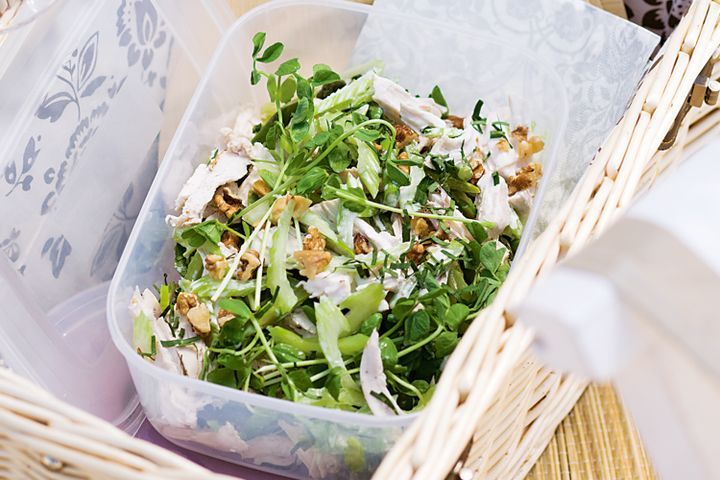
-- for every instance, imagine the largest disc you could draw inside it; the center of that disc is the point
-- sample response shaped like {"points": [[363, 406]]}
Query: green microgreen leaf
{"points": [[323, 74], [271, 53], [439, 98], [288, 67], [287, 89], [258, 41]]}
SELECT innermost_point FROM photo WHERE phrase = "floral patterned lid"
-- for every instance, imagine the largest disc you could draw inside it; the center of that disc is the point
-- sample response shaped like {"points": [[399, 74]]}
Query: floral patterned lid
{"points": [[86, 105]]}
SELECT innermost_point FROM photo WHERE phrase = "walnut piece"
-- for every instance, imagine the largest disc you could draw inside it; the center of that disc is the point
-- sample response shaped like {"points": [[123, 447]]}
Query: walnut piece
{"points": [[456, 122], [199, 318], [249, 262], [260, 188], [216, 265], [361, 244], [476, 164], [416, 253], [503, 145], [226, 201], [300, 206], [314, 240], [185, 301], [312, 262], [404, 135], [529, 147], [420, 227], [520, 133], [526, 177], [224, 316], [230, 240]]}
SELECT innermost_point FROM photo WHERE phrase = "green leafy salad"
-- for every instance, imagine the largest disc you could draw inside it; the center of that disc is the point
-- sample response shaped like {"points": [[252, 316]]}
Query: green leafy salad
{"points": [[338, 242]]}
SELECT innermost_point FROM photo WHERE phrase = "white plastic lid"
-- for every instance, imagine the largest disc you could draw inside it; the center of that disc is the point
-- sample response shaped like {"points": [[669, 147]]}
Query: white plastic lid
{"points": [[89, 93]]}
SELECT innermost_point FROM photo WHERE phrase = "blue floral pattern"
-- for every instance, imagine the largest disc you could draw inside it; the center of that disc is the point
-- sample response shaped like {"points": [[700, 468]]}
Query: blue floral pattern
{"points": [[15, 176], [140, 29], [129, 44], [77, 79], [56, 250]]}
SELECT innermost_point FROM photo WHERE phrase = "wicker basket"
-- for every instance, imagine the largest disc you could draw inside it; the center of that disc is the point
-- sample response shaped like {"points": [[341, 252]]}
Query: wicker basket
{"points": [[495, 408]]}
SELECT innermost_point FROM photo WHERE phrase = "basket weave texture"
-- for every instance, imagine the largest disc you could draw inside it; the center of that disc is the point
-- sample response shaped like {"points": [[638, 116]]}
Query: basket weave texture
{"points": [[495, 408]]}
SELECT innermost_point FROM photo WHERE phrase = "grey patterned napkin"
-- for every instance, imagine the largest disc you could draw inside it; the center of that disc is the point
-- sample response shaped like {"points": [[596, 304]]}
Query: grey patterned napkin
{"points": [[598, 58]]}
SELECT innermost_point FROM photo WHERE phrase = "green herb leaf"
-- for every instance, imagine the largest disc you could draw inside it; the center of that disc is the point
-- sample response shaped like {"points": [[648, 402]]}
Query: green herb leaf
{"points": [[232, 334], [300, 123], [272, 88], [235, 306], [300, 379], [287, 90], [180, 342], [286, 353], [417, 327], [444, 344], [258, 41], [371, 323], [312, 181], [304, 89], [367, 135], [288, 67], [395, 175], [271, 53], [388, 353], [456, 315], [323, 74], [439, 98], [491, 256], [223, 376]]}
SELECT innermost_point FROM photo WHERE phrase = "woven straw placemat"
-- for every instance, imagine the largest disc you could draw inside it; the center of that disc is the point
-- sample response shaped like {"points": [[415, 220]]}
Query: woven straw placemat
{"points": [[597, 440]]}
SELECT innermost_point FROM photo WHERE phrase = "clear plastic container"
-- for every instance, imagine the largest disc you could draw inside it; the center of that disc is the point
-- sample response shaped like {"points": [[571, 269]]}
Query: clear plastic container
{"points": [[85, 101], [271, 434]]}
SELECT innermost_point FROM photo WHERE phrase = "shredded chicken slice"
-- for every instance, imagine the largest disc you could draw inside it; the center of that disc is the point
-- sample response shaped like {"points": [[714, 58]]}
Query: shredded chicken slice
{"points": [[373, 379]]}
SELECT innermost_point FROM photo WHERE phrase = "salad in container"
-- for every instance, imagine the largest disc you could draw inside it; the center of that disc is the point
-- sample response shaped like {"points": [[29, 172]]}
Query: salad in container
{"points": [[327, 253]]}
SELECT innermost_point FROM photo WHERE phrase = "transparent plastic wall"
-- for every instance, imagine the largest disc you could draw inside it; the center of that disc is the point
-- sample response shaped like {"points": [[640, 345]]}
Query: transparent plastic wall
{"points": [[276, 435], [90, 94]]}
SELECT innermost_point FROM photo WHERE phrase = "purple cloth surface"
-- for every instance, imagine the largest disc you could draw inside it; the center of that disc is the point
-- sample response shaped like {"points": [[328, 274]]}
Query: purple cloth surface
{"points": [[148, 433]]}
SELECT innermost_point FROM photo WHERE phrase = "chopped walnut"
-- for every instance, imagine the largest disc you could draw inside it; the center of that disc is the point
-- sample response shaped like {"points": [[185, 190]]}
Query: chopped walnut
{"points": [[456, 122], [224, 316], [185, 301], [260, 188], [404, 135], [404, 168], [230, 240], [529, 147], [226, 201], [420, 227], [312, 262], [249, 262], [520, 133], [476, 163], [199, 318], [300, 206], [416, 253], [503, 145], [361, 244], [216, 265], [527, 177], [314, 240], [378, 147]]}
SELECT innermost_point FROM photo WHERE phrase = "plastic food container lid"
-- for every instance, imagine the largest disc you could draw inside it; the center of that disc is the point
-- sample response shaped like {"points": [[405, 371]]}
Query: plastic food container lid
{"points": [[88, 103]]}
